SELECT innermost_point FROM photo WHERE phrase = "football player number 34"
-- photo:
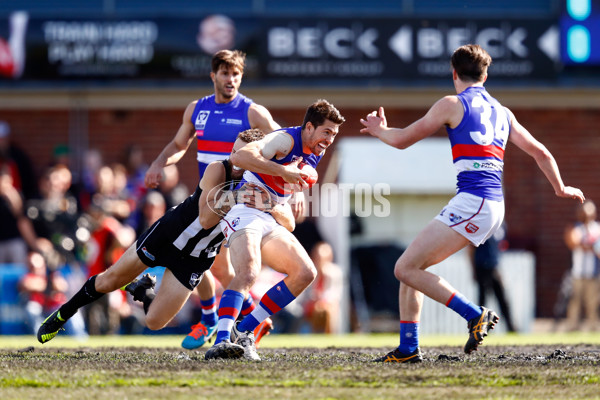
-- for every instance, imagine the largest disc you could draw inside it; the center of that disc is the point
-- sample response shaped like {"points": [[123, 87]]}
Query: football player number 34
{"points": [[498, 129]]}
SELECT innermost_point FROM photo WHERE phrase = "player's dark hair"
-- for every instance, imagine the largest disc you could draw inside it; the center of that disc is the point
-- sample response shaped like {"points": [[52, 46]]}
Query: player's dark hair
{"points": [[320, 111], [230, 59], [471, 62], [251, 135]]}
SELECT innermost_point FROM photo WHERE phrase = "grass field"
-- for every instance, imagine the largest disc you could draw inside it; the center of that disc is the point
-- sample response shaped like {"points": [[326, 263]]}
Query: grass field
{"points": [[318, 341], [540, 366]]}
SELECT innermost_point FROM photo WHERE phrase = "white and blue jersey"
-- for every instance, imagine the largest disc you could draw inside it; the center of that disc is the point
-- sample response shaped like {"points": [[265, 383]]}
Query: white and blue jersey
{"points": [[478, 144], [279, 188], [217, 127]]}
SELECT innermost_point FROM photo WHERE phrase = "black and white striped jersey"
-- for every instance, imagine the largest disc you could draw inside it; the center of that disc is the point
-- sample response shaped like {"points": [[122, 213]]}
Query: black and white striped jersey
{"points": [[177, 240]]}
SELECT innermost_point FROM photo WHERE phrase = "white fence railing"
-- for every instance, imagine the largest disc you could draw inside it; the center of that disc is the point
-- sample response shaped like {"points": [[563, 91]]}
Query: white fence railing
{"points": [[517, 269]]}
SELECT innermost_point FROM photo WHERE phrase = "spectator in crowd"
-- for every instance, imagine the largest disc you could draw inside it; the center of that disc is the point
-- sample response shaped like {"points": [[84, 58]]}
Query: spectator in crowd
{"points": [[307, 232], [121, 191], [107, 243], [485, 260], [87, 184], [56, 215], [18, 163], [47, 268], [322, 308], [57, 218], [41, 290], [17, 233], [61, 154], [136, 171], [153, 207], [174, 191], [582, 238], [109, 195]]}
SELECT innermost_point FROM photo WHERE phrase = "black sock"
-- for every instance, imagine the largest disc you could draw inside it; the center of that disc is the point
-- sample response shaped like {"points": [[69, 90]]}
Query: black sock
{"points": [[148, 298], [86, 295]]}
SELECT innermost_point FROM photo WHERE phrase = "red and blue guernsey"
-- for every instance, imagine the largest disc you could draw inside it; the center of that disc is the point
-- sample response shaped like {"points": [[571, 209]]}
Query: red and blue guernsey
{"points": [[478, 144], [217, 127], [279, 188]]}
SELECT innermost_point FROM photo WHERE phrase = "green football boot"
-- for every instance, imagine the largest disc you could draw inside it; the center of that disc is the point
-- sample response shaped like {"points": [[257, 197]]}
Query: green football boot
{"points": [[50, 327]]}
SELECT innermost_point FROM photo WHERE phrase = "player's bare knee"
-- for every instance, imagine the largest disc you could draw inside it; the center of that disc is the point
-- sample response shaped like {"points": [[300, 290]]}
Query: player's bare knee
{"points": [[224, 276], [248, 276], [307, 274], [154, 325], [155, 322]]}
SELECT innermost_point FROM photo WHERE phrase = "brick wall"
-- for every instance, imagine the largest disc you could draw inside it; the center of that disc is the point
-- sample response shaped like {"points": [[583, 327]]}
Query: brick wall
{"points": [[535, 217]]}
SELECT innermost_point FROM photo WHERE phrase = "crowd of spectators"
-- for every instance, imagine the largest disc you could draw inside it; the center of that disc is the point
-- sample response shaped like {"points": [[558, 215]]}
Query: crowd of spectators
{"points": [[64, 226]]}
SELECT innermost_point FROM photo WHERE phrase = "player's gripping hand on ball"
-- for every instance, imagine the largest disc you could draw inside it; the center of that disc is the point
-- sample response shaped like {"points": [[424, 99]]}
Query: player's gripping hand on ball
{"points": [[309, 175]]}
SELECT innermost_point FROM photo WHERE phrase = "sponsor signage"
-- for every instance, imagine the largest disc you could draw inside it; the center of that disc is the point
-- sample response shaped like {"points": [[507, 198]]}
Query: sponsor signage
{"points": [[397, 50], [355, 51]]}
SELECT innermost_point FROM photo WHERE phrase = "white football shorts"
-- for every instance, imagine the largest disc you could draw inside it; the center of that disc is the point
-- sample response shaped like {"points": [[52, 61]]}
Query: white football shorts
{"points": [[473, 217], [245, 219]]}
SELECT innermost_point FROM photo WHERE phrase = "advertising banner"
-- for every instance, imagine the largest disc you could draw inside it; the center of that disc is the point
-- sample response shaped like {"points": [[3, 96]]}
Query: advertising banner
{"points": [[404, 50], [354, 51]]}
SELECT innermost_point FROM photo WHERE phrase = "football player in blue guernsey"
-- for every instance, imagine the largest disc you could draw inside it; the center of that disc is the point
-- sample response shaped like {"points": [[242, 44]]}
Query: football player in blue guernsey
{"points": [[215, 122], [479, 128], [255, 238]]}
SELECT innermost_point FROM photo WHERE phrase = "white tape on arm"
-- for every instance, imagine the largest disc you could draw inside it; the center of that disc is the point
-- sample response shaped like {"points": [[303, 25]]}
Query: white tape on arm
{"points": [[277, 144]]}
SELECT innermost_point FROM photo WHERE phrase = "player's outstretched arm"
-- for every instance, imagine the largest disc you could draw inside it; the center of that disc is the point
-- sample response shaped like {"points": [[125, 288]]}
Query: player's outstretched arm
{"points": [[174, 150], [446, 111], [544, 159]]}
